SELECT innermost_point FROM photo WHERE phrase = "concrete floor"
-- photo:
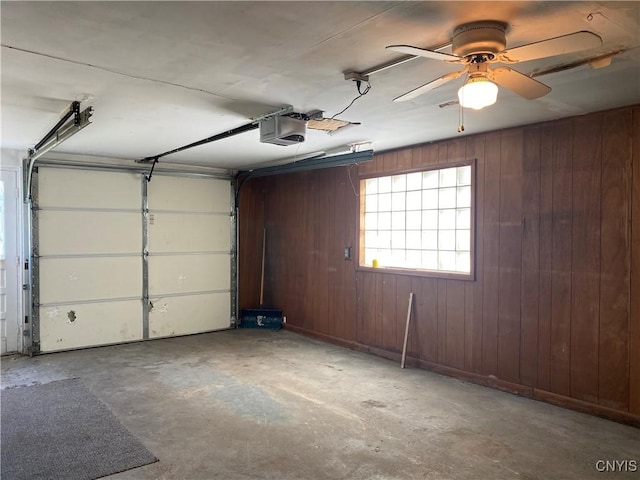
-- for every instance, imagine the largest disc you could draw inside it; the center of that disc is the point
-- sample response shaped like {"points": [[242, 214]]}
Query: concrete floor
{"points": [[250, 404]]}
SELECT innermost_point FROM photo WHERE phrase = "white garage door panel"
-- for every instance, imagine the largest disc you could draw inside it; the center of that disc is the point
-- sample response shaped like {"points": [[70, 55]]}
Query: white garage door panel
{"points": [[94, 324], [78, 233], [91, 233], [90, 189], [189, 194], [171, 232], [188, 273], [189, 314], [81, 279]]}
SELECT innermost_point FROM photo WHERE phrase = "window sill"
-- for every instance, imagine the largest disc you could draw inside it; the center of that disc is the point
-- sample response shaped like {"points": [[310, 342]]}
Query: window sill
{"points": [[417, 273]]}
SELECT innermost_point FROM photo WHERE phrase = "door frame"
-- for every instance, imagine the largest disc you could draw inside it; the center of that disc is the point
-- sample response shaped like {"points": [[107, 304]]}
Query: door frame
{"points": [[19, 239]]}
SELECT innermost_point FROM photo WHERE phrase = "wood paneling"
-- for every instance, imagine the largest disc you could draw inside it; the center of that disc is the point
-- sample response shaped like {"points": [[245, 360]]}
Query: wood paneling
{"points": [[634, 327], [554, 309], [615, 256], [530, 281], [250, 223], [561, 235], [510, 256], [474, 290], [546, 244], [491, 254], [585, 280]]}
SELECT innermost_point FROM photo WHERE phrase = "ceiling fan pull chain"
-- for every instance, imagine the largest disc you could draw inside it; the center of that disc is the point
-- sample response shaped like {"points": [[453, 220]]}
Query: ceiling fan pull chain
{"points": [[460, 118]]}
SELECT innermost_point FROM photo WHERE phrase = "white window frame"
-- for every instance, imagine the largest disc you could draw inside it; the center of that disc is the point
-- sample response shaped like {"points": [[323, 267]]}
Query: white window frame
{"points": [[366, 264]]}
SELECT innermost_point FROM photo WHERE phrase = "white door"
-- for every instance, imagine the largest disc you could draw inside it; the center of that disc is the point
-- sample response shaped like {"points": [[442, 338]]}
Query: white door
{"points": [[189, 229], [10, 325]]}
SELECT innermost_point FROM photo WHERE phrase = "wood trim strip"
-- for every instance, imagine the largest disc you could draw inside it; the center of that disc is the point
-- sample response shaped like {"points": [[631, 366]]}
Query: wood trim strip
{"points": [[586, 407], [487, 381]]}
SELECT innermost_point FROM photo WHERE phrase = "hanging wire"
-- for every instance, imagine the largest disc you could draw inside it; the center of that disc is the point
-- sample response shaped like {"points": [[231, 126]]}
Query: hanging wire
{"points": [[361, 93], [155, 161], [353, 187]]}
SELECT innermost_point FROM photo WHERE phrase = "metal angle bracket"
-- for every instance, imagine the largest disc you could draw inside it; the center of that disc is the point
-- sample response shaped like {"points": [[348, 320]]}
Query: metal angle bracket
{"points": [[356, 76], [363, 76], [286, 110]]}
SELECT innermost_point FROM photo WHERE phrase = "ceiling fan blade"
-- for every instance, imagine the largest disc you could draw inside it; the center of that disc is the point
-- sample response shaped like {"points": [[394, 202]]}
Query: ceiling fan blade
{"points": [[429, 86], [599, 61], [518, 83], [573, 42], [423, 52]]}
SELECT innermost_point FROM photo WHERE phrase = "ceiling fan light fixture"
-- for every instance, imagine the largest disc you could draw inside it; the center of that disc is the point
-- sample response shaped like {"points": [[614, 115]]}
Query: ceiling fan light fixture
{"points": [[477, 93]]}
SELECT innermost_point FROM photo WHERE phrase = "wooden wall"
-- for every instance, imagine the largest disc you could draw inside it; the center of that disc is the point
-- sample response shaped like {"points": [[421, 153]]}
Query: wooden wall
{"points": [[554, 310]]}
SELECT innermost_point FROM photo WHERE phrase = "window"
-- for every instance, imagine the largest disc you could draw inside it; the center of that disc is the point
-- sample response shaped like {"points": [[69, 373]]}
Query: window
{"points": [[420, 221]]}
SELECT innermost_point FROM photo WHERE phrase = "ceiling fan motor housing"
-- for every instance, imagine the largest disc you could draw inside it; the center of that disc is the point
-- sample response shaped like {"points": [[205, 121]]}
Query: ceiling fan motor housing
{"points": [[486, 37]]}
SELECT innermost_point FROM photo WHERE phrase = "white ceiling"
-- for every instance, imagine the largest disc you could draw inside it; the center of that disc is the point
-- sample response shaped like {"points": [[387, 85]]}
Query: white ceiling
{"points": [[164, 74]]}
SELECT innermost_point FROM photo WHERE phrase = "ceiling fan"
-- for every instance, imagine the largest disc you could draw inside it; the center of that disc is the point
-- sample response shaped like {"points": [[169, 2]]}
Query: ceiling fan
{"points": [[478, 44]]}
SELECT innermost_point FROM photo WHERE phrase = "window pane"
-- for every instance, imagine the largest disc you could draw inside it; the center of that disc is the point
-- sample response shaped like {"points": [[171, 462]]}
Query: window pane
{"points": [[464, 175], [371, 186], [463, 262], [464, 196], [414, 220], [447, 261], [384, 202], [446, 239], [414, 258], [463, 240], [429, 239], [398, 240], [448, 177], [463, 218], [384, 184], [447, 198], [414, 239], [414, 200], [384, 221], [430, 260], [414, 181], [399, 183], [430, 179], [430, 219], [384, 257], [371, 221], [371, 203], [429, 199], [369, 255], [384, 239], [447, 219], [398, 258], [397, 221], [419, 220], [398, 202], [371, 239]]}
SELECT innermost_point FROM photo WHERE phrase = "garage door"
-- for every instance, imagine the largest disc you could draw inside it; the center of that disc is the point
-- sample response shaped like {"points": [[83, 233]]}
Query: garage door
{"points": [[189, 231], [107, 271]]}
